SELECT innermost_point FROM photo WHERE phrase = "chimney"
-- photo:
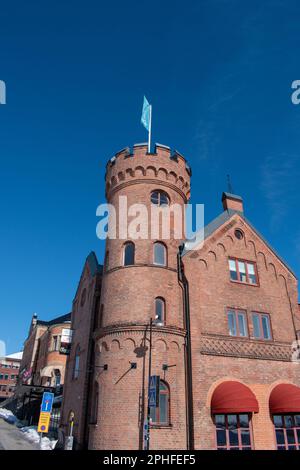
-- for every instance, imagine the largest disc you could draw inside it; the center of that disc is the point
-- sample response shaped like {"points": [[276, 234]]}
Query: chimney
{"points": [[232, 202]]}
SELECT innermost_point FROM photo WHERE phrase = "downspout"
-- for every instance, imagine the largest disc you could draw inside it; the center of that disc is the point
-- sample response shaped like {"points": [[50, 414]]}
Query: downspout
{"points": [[188, 350]]}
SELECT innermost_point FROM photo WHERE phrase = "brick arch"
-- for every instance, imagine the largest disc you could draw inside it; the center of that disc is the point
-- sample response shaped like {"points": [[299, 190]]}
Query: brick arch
{"points": [[272, 268], [252, 244], [129, 344], [172, 176], [162, 345], [129, 172], [115, 345], [212, 255], [174, 346], [151, 171], [261, 256], [139, 171], [181, 180], [221, 248], [113, 181], [162, 172], [121, 176], [229, 239], [103, 346], [218, 382], [203, 263]]}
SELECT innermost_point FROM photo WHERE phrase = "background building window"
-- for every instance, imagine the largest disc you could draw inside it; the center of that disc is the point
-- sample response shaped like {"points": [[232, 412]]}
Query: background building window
{"points": [[160, 254], [287, 430], [160, 198], [76, 363], [160, 415], [261, 326], [160, 310], [237, 322], [233, 431], [242, 271], [56, 343], [129, 251]]}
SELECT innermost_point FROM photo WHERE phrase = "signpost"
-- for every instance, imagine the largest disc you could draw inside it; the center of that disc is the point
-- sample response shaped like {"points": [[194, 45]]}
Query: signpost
{"points": [[45, 413], [154, 391]]}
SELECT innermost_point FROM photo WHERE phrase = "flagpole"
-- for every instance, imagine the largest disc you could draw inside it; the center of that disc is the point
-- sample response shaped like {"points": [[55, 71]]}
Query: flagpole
{"points": [[149, 133]]}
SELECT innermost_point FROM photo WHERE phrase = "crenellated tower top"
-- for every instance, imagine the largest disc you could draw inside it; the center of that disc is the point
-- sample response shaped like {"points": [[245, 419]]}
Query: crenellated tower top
{"points": [[164, 167]]}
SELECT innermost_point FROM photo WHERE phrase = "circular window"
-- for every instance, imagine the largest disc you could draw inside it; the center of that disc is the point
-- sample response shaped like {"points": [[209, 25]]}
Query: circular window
{"points": [[238, 234], [83, 297], [160, 198]]}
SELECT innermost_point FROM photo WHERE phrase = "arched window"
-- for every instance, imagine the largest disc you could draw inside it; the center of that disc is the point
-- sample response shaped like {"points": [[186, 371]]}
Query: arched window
{"points": [[160, 254], [76, 363], [129, 250], [160, 308], [161, 414], [160, 198]]}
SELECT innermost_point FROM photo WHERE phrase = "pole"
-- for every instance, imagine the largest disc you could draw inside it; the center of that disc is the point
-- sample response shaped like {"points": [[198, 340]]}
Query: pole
{"points": [[150, 124], [149, 379]]}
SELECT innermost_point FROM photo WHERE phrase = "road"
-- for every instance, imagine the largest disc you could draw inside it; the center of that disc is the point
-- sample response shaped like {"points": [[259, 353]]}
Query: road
{"points": [[11, 438]]}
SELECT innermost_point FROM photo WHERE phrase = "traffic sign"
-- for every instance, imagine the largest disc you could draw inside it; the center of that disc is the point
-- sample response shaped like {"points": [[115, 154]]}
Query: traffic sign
{"points": [[44, 422], [47, 402], [154, 391]]}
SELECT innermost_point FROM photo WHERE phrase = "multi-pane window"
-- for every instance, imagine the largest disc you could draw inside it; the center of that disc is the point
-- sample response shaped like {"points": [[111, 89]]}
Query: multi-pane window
{"points": [[242, 271], [261, 326], [55, 343], [160, 254], [287, 430], [237, 322], [160, 414], [159, 198], [129, 250], [159, 310], [233, 431]]}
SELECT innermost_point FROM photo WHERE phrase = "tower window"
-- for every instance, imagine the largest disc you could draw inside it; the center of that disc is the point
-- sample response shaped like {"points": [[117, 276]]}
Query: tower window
{"points": [[129, 252], [160, 254], [160, 198], [161, 414], [159, 311]]}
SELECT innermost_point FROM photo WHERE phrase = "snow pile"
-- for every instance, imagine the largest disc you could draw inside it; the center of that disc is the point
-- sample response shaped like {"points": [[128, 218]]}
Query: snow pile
{"points": [[30, 432], [8, 416]]}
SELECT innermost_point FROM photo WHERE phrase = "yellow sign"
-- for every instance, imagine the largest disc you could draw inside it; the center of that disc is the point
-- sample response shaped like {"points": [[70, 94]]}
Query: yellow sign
{"points": [[44, 422]]}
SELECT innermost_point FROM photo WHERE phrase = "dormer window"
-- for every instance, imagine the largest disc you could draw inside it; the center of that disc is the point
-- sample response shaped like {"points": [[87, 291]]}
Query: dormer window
{"points": [[243, 271]]}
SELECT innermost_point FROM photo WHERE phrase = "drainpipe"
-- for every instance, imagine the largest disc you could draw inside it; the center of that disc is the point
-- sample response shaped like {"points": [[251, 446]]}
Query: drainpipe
{"points": [[188, 350]]}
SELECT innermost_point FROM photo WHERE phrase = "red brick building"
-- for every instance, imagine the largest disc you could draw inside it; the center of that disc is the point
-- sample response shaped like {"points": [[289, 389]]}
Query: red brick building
{"points": [[9, 372], [42, 369], [224, 341]]}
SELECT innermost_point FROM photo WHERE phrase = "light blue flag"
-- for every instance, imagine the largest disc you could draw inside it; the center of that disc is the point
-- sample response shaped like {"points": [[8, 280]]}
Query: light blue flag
{"points": [[145, 119]]}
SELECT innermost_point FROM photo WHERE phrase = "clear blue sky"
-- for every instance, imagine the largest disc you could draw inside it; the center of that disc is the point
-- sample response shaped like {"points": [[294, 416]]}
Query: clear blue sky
{"points": [[218, 73]]}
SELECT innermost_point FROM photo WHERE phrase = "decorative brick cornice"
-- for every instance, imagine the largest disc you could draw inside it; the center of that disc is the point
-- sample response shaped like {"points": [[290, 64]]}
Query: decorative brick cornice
{"points": [[121, 330], [226, 346]]}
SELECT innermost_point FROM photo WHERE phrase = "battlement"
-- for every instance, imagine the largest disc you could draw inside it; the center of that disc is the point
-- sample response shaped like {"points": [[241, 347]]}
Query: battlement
{"points": [[141, 149]]}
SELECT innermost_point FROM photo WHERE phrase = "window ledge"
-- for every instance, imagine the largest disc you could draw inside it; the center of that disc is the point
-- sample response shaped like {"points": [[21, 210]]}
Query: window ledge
{"points": [[244, 283], [161, 426]]}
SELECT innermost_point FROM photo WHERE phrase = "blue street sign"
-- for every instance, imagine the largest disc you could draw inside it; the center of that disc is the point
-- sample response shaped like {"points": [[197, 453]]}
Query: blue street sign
{"points": [[154, 391], [47, 402]]}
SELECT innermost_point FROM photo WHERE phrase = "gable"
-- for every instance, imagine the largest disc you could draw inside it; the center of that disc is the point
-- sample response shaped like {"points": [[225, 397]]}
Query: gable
{"points": [[224, 223]]}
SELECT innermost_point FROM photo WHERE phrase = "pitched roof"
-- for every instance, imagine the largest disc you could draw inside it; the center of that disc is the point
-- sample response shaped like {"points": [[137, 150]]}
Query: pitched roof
{"points": [[218, 222], [62, 319]]}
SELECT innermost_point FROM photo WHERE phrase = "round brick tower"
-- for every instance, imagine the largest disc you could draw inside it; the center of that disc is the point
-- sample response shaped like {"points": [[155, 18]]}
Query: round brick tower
{"points": [[138, 283]]}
